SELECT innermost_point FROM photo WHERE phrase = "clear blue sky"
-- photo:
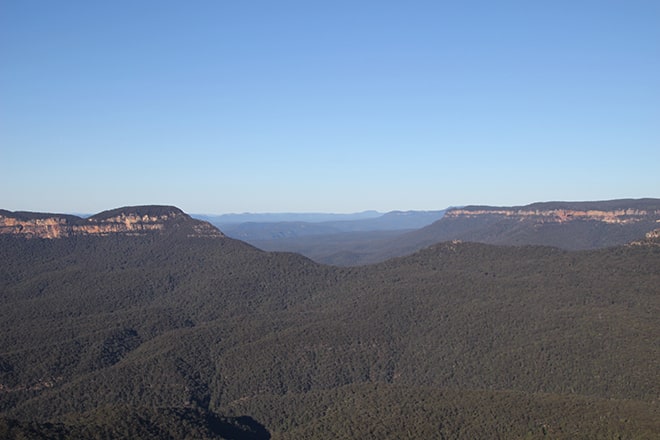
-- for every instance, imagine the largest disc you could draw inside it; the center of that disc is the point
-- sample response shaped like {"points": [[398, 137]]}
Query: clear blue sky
{"points": [[328, 106]]}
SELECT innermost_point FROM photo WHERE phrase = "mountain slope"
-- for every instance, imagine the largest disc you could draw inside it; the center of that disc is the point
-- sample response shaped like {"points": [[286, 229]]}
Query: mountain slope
{"points": [[124, 422], [567, 225], [454, 339]]}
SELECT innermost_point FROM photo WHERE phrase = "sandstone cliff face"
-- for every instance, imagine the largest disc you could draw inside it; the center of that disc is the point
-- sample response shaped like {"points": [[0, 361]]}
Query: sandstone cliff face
{"points": [[124, 221], [652, 238], [617, 216], [51, 227]]}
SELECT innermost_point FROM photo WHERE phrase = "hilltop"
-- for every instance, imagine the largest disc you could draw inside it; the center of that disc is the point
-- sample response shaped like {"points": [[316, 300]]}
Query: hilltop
{"points": [[130, 220]]}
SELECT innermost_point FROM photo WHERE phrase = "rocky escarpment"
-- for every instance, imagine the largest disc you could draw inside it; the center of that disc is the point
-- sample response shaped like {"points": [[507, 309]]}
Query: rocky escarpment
{"points": [[652, 238], [135, 220], [552, 214], [567, 225]]}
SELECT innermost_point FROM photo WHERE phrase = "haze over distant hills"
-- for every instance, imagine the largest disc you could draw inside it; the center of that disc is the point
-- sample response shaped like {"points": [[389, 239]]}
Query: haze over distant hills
{"points": [[158, 332], [320, 224], [310, 217], [567, 225]]}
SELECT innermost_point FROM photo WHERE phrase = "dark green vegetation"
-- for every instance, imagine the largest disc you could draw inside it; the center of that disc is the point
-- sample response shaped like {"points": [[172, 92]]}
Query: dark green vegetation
{"points": [[337, 249], [169, 336], [129, 422]]}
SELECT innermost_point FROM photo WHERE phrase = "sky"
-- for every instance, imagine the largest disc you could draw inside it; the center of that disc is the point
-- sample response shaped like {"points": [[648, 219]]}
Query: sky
{"points": [[326, 105]]}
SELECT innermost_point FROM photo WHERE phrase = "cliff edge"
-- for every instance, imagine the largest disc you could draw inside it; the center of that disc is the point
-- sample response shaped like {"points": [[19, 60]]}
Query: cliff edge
{"points": [[130, 220]]}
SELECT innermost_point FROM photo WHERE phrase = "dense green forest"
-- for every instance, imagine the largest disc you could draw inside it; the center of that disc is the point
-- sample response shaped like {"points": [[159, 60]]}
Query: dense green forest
{"points": [[169, 336]]}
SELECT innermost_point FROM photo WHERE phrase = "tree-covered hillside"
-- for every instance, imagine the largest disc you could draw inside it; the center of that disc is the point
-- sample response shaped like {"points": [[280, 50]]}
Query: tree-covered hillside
{"points": [[459, 340]]}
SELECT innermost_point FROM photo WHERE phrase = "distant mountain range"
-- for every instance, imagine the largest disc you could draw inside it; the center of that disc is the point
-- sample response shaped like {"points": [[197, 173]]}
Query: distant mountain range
{"points": [[275, 230], [371, 237], [308, 217]]}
